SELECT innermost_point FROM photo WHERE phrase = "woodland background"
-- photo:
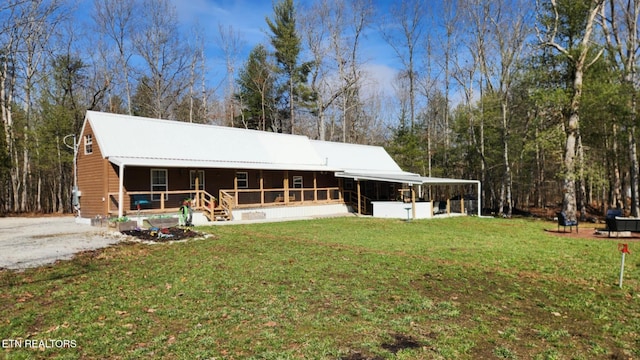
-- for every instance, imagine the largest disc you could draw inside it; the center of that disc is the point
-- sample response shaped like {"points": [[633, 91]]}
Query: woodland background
{"points": [[538, 100]]}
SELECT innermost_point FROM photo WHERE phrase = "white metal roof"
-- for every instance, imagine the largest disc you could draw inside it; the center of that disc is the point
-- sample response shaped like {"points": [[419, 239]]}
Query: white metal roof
{"points": [[357, 158], [139, 141]]}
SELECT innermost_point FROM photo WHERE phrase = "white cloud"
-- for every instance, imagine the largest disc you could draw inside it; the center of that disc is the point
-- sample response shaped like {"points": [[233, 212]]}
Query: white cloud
{"points": [[380, 78], [246, 18]]}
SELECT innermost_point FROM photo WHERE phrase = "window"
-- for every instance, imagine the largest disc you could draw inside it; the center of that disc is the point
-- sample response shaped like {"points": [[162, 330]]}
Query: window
{"points": [[242, 179], [199, 174], [297, 182], [159, 183], [88, 144]]}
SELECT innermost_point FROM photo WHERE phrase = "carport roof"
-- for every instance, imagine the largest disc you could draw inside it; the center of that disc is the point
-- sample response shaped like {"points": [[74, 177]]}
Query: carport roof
{"points": [[404, 178]]}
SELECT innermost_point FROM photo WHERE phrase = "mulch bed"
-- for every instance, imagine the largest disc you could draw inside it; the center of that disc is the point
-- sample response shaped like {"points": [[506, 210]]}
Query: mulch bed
{"points": [[164, 235], [593, 233]]}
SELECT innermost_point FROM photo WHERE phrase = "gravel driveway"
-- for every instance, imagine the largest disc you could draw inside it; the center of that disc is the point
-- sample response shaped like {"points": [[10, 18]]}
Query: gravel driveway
{"points": [[31, 242]]}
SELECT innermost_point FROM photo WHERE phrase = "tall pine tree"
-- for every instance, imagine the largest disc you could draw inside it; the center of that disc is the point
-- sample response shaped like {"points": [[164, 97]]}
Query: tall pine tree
{"points": [[287, 45]]}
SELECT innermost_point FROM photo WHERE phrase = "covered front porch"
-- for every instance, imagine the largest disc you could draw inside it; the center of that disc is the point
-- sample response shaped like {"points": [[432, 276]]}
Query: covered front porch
{"points": [[250, 189]]}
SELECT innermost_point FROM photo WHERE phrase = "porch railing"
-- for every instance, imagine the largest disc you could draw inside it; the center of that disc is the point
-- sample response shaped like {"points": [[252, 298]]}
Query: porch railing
{"points": [[168, 201], [150, 201], [244, 198], [363, 205]]}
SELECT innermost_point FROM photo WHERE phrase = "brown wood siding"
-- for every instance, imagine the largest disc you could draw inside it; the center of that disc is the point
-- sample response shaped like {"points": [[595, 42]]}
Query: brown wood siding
{"points": [[274, 179], [326, 179], [91, 178], [112, 184]]}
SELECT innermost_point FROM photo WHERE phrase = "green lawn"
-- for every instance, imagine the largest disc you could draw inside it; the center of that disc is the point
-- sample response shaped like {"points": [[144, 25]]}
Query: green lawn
{"points": [[345, 288]]}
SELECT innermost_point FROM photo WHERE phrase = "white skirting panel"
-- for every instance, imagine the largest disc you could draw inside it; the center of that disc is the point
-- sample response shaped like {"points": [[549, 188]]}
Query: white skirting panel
{"points": [[399, 210], [290, 212]]}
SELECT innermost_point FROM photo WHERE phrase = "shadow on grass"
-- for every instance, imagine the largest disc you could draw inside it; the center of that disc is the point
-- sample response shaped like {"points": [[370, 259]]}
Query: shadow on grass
{"points": [[81, 264]]}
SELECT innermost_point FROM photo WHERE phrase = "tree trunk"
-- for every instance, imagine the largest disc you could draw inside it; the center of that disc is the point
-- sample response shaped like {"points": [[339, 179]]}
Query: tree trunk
{"points": [[614, 199], [633, 155], [569, 180], [583, 189], [291, 105]]}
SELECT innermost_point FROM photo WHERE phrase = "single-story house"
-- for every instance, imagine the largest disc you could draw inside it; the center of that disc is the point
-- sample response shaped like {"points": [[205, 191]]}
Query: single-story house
{"points": [[137, 165]]}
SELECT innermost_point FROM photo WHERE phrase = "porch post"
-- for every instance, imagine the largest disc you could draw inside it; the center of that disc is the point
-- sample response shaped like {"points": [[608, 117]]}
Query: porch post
{"points": [[285, 184], [359, 200], [235, 186], [197, 199], [315, 188], [261, 188], [413, 203], [121, 191]]}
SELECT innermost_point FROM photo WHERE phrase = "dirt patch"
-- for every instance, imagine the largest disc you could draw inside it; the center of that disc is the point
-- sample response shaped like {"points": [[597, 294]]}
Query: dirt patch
{"points": [[359, 356], [401, 342], [164, 235]]}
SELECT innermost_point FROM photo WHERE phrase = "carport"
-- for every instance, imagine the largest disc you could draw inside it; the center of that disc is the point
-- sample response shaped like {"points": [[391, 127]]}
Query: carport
{"points": [[410, 181]]}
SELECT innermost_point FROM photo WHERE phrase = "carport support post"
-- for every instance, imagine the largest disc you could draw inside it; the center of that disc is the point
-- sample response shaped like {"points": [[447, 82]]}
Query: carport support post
{"points": [[121, 191], [479, 199]]}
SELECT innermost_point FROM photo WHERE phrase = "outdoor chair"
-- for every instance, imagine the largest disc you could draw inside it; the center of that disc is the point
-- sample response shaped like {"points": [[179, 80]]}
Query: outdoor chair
{"points": [[564, 221], [140, 201], [610, 220]]}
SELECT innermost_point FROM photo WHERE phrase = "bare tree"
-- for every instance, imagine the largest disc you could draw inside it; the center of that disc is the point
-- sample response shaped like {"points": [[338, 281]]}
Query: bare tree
{"points": [[409, 16], [621, 33], [449, 38], [116, 20], [166, 58], [475, 13], [26, 36], [231, 44], [501, 33], [333, 30]]}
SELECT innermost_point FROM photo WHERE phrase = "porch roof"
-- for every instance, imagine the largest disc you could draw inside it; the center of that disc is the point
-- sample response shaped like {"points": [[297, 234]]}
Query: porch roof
{"points": [[211, 164]]}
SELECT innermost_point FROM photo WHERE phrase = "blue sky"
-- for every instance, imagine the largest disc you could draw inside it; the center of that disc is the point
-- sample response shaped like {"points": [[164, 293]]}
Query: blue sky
{"points": [[247, 19]]}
